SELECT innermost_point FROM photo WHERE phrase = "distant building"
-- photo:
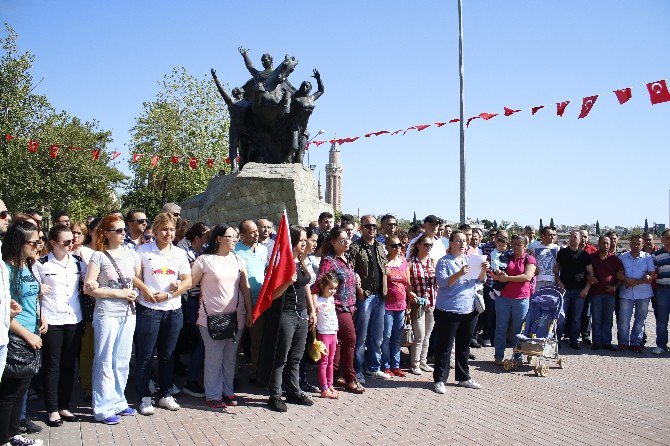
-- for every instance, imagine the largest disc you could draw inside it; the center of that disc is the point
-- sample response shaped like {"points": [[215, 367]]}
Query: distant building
{"points": [[334, 178]]}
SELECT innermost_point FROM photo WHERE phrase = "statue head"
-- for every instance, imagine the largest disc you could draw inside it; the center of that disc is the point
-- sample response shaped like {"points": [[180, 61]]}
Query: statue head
{"points": [[305, 88], [286, 68], [266, 60], [237, 93]]}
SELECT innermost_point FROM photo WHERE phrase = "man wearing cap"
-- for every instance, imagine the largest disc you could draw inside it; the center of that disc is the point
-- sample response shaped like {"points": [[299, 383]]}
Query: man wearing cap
{"points": [[172, 208], [430, 224]]}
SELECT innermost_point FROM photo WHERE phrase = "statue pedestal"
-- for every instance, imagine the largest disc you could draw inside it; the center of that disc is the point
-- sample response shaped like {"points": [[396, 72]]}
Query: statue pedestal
{"points": [[258, 191]]}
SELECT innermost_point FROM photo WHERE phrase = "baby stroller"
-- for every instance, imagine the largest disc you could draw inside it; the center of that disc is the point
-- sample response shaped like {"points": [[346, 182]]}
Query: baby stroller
{"points": [[538, 338]]}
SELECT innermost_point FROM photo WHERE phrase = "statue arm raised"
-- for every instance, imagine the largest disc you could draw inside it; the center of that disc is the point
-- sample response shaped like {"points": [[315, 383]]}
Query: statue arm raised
{"points": [[319, 84], [227, 99], [247, 61]]}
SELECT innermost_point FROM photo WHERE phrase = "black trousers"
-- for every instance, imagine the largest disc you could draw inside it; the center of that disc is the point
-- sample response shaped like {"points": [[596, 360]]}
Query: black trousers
{"points": [[450, 326], [60, 347], [12, 392], [289, 349]]}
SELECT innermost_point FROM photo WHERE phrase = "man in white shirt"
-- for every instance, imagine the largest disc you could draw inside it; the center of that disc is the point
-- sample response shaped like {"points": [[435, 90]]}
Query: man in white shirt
{"points": [[544, 251], [430, 224]]}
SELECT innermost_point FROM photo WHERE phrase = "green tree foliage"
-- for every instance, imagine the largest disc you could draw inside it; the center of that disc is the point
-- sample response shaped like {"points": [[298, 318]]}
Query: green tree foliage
{"points": [[188, 118], [598, 228], [72, 182]]}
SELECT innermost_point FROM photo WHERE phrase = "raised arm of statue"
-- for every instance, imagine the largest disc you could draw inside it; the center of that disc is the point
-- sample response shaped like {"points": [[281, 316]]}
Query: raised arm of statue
{"points": [[227, 99], [319, 84], [247, 61]]}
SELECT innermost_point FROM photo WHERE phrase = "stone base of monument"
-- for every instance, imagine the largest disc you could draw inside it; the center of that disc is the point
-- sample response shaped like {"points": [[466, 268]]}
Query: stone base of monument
{"points": [[258, 191]]}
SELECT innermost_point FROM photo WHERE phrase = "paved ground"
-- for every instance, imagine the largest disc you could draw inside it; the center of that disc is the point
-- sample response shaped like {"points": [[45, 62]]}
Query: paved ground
{"points": [[600, 398]]}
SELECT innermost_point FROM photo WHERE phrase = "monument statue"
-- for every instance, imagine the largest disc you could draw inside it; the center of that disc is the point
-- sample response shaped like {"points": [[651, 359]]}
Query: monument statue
{"points": [[268, 115]]}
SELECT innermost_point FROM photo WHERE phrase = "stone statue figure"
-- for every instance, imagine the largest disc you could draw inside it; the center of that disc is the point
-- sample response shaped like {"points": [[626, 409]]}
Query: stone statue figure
{"points": [[268, 116]]}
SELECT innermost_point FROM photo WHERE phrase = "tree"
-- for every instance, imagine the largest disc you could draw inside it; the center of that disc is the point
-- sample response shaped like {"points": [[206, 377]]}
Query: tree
{"points": [[541, 225], [646, 225], [71, 182], [495, 224], [597, 228], [488, 224], [188, 118], [504, 224], [551, 223]]}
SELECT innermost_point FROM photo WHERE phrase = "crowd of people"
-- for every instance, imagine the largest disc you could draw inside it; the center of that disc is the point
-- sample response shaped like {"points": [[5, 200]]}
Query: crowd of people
{"points": [[180, 296]]}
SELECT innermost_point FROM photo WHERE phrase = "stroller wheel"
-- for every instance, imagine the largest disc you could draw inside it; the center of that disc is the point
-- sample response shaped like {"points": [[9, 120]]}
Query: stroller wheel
{"points": [[508, 364], [529, 359], [561, 363], [542, 370]]}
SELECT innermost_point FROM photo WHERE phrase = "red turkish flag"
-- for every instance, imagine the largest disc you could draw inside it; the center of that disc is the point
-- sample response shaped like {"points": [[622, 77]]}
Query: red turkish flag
{"points": [[193, 163], [115, 155], [467, 124], [440, 124], [318, 143], [227, 160], [210, 162], [8, 137], [33, 146], [560, 107], [54, 149], [280, 270], [154, 160], [396, 132], [587, 105], [451, 121], [536, 109], [96, 154], [136, 157], [174, 159], [658, 92], [487, 116], [381, 132], [238, 159], [623, 95], [422, 127], [510, 112]]}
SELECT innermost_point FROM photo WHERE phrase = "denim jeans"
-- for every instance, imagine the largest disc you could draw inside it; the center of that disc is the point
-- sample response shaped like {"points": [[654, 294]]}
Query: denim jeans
{"points": [[369, 333], [156, 329], [662, 313], [602, 317], [393, 323], [506, 308], [113, 345], [3, 359], [628, 308], [572, 306]]}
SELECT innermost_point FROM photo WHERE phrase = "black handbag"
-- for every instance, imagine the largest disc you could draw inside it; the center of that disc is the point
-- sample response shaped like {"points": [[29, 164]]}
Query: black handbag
{"points": [[22, 360], [222, 326]]}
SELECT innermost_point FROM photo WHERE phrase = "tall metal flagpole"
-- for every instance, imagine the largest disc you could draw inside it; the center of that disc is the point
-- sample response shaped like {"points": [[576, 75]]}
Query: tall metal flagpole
{"points": [[462, 122]]}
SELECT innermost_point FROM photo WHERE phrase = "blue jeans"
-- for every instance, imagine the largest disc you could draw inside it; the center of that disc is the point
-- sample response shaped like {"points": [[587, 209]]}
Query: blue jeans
{"points": [[506, 308], [628, 307], [369, 333], [572, 306], [112, 344], [602, 317], [393, 323], [156, 329], [662, 315]]}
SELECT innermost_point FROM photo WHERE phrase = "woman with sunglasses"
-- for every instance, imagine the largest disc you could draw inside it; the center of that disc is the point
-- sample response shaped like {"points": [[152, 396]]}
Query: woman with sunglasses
{"points": [[19, 250], [112, 272], [64, 273], [423, 292], [334, 259]]}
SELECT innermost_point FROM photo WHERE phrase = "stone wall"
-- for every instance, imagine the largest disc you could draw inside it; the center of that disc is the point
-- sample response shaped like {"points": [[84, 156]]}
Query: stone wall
{"points": [[259, 190]]}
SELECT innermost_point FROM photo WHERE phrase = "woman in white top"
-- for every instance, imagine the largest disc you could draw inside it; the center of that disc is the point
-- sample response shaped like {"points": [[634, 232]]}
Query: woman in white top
{"points": [[224, 289], [64, 273]]}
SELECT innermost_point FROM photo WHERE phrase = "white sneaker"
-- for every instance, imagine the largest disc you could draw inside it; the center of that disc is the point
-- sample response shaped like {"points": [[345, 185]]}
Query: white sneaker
{"points": [[380, 375], [360, 378], [415, 371], [20, 440], [174, 390], [470, 384], [440, 388], [169, 403], [147, 406], [152, 387], [425, 367]]}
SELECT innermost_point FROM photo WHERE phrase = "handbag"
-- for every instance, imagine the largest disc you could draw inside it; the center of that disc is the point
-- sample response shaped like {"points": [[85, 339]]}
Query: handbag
{"points": [[222, 326], [407, 334], [479, 303], [22, 360]]}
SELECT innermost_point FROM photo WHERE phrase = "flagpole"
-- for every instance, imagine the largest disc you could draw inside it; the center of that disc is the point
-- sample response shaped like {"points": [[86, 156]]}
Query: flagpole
{"points": [[462, 121]]}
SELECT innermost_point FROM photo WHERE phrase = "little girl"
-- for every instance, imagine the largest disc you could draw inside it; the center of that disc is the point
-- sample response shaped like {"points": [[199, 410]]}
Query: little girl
{"points": [[326, 326]]}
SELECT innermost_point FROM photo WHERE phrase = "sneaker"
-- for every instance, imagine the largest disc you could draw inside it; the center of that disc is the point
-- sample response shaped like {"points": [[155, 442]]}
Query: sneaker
{"points": [[498, 361], [152, 387], [309, 388], [623, 347], [301, 399], [415, 371], [20, 440], [658, 351], [229, 400], [169, 403], [470, 384], [380, 375], [174, 390], [30, 427], [215, 404], [440, 388], [127, 412], [147, 406], [636, 348], [399, 373], [193, 388], [486, 343], [114, 419], [575, 346], [360, 378], [275, 403], [425, 367]]}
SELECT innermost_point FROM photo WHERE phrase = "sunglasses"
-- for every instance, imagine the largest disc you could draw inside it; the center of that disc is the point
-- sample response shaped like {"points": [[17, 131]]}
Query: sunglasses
{"points": [[141, 221], [77, 233], [118, 231], [4, 214], [66, 242], [392, 224], [63, 222], [428, 245], [370, 226], [176, 214], [396, 245], [33, 243], [43, 239]]}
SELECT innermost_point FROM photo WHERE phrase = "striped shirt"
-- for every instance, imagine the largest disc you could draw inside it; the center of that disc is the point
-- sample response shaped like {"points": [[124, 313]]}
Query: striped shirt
{"points": [[662, 262], [422, 279]]}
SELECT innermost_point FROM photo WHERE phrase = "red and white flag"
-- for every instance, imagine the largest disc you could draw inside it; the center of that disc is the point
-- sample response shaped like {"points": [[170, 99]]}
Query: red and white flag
{"points": [[510, 112], [8, 137], [210, 162], [174, 159], [115, 155], [96, 154], [54, 150], [487, 116], [154, 160], [587, 105], [560, 107], [136, 157], [33, 146], [280, 270], [193, 163], [536, 109], [623, 95], [658, 92]]}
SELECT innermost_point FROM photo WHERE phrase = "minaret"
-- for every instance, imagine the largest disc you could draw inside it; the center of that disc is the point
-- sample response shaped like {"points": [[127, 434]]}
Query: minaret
{"points": [[334, 178]]}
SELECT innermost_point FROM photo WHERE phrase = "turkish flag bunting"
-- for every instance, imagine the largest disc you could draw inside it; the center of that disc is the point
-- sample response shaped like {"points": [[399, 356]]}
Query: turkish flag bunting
{"points": [[238, 159], [174, 159], [467, 124], [115, 155], [154, 160], [33, 146], [396, 132], [8, 137], [318, 143], [227, 160], [280, 268], [658, 92], [536, 109], [487, 116], [440, 124], [136, 157], [96, 154], [451, 121], [210, 162], [560, 107], [587, 105], [54, 149], [381, 132], [193, 163], [510, 112], [623, 95]]}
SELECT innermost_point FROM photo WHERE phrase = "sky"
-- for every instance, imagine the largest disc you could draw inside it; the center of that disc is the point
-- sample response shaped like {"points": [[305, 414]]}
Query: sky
{"points": [[389, 65]]}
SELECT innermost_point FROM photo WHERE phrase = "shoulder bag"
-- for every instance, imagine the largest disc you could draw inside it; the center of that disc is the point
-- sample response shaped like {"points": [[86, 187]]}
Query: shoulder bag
{"points": [[122, 280], [22, 360], [223, 326]]}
